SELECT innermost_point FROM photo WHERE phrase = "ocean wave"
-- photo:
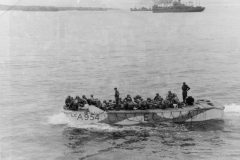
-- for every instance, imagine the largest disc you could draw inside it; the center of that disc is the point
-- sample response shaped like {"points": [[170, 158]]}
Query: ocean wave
{"points": [[232, 108], [60, 119]]}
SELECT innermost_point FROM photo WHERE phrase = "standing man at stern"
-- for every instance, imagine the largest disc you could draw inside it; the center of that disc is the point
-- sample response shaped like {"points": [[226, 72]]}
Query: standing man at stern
{"points": [[185, 88], [117, 98]]}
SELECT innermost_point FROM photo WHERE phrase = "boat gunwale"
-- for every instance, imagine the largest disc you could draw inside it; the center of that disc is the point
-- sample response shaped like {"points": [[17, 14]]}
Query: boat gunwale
{"points": [[186, 109]]}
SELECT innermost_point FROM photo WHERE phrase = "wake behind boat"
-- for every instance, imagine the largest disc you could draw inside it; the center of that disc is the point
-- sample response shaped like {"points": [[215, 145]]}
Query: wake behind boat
{"points": [[201, 110]]}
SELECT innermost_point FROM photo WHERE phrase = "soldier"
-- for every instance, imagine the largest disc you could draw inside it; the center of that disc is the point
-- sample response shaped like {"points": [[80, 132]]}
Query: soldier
{"points": [[68, 101], [185, 88], [85, 99], [117, 98], [169, 96], [158, 97]]}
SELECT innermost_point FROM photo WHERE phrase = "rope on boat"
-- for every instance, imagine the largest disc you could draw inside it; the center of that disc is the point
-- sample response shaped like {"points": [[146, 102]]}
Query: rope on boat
{"points": [[180, 113], [154, 116], [125, 117], [163, 115], [110, 120], [137, 118], [190, 115], [120, 117], [134, 117]]}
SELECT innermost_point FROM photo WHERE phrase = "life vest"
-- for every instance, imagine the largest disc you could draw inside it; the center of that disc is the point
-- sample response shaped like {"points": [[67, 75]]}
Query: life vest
{"points": [[158, 98], [165, 102], [169, 97], [75, 101], [129, 99], [68, 101]]}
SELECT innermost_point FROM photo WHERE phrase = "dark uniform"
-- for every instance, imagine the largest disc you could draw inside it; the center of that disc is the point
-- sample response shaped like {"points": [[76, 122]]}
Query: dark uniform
{"points": [[185, 88], [117, 98], [158, 97], [68, 101], [86, 100]]}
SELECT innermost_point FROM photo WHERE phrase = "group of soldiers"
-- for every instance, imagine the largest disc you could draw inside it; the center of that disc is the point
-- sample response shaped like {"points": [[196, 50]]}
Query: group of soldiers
{"points": [[78, 103], [128, 103]]}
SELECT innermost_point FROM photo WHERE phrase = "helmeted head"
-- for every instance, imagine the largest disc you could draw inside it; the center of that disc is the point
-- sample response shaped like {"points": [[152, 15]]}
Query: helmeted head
{"points": [[128, 95], [184, 82], [115, 89], [104, 101], [157, 94], [77, 97], [91, 95], [169, 92], [83, 96]]}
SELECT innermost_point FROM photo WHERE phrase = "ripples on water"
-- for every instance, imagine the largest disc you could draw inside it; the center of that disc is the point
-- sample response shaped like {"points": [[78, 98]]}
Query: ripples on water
{"points": [[47, 56], [152, 141]]}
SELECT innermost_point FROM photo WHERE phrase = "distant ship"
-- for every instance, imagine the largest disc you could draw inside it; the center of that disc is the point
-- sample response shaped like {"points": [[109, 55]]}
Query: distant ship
{"points": [[92, 9], [177, 6], [141, 9], [37, 8]]}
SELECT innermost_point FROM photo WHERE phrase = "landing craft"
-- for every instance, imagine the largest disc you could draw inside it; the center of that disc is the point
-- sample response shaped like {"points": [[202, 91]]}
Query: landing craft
{"points": [[177, 6], [201, 110]]}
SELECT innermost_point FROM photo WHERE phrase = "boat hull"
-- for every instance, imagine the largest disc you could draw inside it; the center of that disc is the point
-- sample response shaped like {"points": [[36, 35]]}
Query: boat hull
{"points": [[197, 112], [164, 10]]}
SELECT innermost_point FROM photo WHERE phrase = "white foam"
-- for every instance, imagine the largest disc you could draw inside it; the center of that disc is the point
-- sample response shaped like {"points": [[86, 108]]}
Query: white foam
{"points": [[233, 108], [57, 119], [61, 118]]}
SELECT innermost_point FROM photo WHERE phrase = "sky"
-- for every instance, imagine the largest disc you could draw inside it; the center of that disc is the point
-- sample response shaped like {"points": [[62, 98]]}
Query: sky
{"points": [[109, 3]]}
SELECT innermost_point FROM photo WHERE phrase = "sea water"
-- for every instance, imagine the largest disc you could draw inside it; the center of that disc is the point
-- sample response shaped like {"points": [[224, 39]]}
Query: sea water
{"points": [[46, 56]]}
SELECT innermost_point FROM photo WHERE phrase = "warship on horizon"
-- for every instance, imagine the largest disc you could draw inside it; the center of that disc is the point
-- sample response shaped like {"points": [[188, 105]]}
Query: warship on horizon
{"points": [[177, 6], [141, 9]]}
